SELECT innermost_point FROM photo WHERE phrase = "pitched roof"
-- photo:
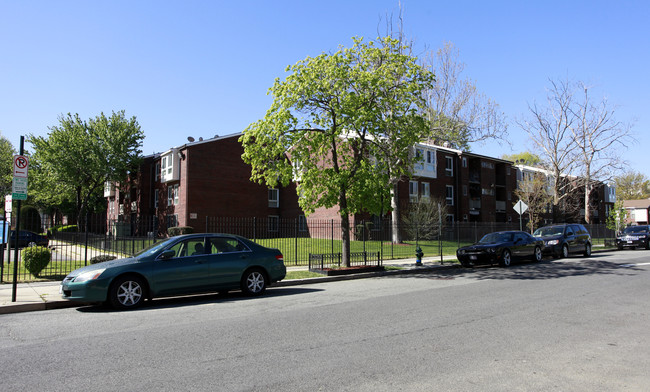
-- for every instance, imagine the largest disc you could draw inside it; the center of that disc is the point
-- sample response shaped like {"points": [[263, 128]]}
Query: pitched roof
{"points": [[644, 203]]}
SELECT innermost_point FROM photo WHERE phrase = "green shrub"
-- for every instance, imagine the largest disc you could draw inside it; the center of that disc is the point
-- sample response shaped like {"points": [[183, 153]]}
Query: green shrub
{"points": [[36, 258], [101, 259], [30, 219], [178, 230], [62, 229]]}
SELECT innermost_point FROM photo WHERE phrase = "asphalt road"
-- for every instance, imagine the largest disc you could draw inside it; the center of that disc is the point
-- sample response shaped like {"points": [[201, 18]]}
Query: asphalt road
{"points": [[576, 324]]}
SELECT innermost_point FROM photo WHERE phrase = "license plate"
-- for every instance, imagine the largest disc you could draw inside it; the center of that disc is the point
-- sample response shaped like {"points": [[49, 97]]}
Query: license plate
{"points": [[472, 257], [629, 242]]}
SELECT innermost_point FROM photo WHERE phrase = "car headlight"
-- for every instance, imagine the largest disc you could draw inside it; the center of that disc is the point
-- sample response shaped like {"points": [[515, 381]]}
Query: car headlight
{"points": [[552, 242], [90, 275], [461, 251], [492, 250]]}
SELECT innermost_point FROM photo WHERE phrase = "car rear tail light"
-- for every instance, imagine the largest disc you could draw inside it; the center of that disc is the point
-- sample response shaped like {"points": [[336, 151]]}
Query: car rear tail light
{"points": [[279, 257]]}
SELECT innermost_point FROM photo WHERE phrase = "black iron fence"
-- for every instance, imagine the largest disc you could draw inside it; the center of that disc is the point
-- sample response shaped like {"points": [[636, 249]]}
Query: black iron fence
{"points": [[72, 247]]}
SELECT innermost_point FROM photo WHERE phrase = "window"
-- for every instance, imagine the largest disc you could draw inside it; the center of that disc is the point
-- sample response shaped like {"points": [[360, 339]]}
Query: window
{"points": [[172, 195], [425, 189], [172, 221], [274, 198], [274, 223], [487, 165], [217, 245], [431, 161], [413, 191], [464, 162], [449, 166], [157, 172], [302, 223], [449, 218], [464, 190], [449, 195], [155, 199], [419, 157]]}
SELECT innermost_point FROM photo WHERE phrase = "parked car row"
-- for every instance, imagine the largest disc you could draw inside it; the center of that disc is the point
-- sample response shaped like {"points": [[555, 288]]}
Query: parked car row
{"points": [[507, 246]]}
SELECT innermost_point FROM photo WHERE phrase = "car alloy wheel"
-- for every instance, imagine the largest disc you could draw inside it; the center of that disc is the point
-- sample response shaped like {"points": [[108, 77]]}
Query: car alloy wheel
{"points": [[506, 258], [127, 293], [587, 250], [565, 251], [254, 282], [538, 254]]}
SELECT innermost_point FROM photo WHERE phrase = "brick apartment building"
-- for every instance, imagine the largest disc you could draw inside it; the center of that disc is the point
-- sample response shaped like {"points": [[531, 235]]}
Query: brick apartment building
{"points": [[187, 185]]}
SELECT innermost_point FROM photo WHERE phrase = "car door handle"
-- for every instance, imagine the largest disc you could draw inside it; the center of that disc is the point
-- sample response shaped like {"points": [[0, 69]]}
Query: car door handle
{"points": [[199, 261]]}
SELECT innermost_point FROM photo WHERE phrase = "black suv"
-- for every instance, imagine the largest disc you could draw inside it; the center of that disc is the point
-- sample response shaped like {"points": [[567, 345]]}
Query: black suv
{"points": [[561, 240], [633, 237]]}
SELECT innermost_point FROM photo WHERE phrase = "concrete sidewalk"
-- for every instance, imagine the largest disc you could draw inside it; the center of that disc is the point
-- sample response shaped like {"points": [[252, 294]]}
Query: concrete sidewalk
{"points": [[45, 295]]}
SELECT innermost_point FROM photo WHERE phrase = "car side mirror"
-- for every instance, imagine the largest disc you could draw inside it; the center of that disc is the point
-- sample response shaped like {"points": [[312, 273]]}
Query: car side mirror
{"points": [[168, 254]]}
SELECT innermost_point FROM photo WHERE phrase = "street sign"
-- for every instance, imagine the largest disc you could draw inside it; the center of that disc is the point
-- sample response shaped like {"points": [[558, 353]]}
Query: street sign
{"points": [[520, 207], [21, 166], [19, 189], [8, 204]]}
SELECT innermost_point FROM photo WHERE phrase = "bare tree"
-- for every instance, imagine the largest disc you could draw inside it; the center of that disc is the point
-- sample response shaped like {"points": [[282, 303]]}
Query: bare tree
{"points": [[598, 138], [549, 128], [457, 112], [534, 191]]}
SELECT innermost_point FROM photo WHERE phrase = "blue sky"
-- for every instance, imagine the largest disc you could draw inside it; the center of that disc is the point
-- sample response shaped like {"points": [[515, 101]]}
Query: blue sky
{"points": [[202, 68]]}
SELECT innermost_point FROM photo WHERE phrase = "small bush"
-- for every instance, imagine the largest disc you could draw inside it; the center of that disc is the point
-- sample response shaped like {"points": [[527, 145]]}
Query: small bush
{"points": [[178, 230], [101, 259], [36, 258]]}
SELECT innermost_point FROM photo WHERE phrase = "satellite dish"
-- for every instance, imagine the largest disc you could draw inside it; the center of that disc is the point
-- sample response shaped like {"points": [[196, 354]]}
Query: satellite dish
{"points": [[190, 138]]}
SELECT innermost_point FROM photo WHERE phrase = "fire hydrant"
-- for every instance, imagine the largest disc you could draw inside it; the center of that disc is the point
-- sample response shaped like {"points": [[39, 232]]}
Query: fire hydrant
{"points": [[418, 256]]}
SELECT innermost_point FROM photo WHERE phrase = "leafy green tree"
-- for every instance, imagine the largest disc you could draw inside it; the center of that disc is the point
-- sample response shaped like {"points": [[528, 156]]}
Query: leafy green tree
{"points": [[7, 152], [78, 157], [632, 186], [347, 122], [527, 158], [617, 218]]}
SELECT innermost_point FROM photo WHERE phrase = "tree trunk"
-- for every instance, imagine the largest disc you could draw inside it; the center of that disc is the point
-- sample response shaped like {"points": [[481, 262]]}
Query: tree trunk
{"points": [[345, 227], [394, 204]]}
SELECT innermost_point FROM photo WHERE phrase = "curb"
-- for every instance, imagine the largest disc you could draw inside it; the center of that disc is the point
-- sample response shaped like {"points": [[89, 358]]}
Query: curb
{"points": [[62, 304]]}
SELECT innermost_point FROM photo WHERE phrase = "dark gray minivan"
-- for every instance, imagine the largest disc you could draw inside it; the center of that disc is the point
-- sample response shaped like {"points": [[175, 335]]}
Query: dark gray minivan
{"points": [[564, 239]]}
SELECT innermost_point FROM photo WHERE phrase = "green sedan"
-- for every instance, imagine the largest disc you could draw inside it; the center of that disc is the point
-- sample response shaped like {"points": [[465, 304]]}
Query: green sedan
{"points": [[186, 264]]}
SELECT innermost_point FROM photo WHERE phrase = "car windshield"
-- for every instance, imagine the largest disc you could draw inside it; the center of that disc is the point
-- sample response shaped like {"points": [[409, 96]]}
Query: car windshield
{"points": [[154, 248], [548, 231], [496, 237], [634, 229]]}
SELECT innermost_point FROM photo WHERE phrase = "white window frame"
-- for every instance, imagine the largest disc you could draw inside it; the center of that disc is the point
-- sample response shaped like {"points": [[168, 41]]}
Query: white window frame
{"points": [[449, 195], [155, 198], [449, 166], [425, 190], [274, 198], [413, 191]]}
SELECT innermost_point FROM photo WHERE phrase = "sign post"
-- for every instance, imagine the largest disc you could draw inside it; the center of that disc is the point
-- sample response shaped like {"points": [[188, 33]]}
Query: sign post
{"points": [[520, 207], [21, 166]]}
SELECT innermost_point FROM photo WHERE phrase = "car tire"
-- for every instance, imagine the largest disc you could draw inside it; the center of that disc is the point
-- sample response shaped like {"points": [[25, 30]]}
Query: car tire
{"points": [[587, 250], [647, 245], [537, 254], [506, 258], [465, 263], [565, 251], [254, 282], [31, 244], [127, 292], [620, 247]]}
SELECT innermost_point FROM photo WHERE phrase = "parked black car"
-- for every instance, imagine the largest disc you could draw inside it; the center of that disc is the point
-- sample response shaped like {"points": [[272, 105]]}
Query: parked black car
{"points": [[501, 247], [562, 240], [633, 237], [28, 238]]}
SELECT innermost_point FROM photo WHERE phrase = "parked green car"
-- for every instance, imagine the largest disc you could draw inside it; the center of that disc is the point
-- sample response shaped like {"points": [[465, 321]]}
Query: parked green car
{"points": [[185, 264]]}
